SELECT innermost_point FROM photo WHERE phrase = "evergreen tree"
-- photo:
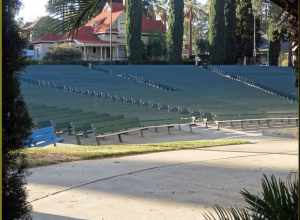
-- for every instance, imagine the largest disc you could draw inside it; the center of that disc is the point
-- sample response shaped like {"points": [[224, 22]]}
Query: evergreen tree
{"points": [[17, 123], [260, 21], [229, 33], [258, 35], [45, 25], [156, 47], [175, 30], [202, 46], [133, 31], [276, 32], [216, 31], [274, 51], [245, 25], [275, 35]]}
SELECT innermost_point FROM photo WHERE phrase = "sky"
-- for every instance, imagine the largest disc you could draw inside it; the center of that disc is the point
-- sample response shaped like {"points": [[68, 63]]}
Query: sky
{"points": [[32, 9]]}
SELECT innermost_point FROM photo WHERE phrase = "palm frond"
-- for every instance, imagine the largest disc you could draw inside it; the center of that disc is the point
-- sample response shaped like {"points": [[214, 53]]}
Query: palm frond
{"points": [[220, 213], [74, 13], [278, 199]]}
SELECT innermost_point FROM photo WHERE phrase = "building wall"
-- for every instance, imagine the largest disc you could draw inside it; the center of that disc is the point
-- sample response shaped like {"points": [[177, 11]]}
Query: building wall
{"points": [[120, 36], [122, 24], [115, 37], [40, 50]]}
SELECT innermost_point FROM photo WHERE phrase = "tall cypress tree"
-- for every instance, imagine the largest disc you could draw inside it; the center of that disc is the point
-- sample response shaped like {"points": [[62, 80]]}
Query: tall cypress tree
{"points": [[216, 31], [17, 123], [275, 33], [229, 33], [274, 48], [175, 30], [245, 25], [133, 30]]}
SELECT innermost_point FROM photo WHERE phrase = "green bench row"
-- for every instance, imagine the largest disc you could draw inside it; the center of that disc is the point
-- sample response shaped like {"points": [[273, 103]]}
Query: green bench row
{"points": [[65, 119]]}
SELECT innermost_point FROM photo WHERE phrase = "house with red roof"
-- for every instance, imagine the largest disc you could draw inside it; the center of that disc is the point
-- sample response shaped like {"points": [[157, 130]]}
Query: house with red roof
{"points": [[41, 46], [93, 39]]}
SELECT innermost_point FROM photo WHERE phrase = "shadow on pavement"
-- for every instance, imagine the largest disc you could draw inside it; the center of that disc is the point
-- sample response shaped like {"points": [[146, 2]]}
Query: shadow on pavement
{"points": [[45, 216]]}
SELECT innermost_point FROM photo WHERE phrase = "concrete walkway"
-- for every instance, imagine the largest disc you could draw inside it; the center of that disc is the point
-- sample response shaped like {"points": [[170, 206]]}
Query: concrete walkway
{"points": [[168, 185]]}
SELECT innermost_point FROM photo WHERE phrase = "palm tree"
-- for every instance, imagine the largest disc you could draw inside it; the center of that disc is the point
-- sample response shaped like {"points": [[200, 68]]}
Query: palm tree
{"points": [[148, 9], [277, 200], [74, 13], [160, 8]]}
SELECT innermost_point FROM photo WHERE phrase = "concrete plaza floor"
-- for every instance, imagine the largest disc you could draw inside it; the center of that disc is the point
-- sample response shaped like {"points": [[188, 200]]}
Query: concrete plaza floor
{"points": [[167, 185]]}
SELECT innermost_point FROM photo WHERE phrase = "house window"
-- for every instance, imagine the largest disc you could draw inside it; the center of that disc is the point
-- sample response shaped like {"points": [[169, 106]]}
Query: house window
{"points": [[94, 50], [122, 51]]}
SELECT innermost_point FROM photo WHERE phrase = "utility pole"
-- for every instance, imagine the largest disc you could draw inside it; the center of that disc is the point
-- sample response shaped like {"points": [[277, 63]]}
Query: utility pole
{"points": [[191, 31], [266, 8], [254, 38], [110, 40], [268, 54], [63, 19]]}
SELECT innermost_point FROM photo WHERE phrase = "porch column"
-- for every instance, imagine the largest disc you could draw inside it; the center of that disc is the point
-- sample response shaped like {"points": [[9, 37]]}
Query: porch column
{"points": [[104, 53], [101, 55], [117, 50], [85, 53], [82, 52], [98, 53]]}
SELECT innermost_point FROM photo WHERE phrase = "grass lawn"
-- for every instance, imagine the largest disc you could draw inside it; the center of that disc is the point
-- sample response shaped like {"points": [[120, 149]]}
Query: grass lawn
{"points": [[42, 156]]}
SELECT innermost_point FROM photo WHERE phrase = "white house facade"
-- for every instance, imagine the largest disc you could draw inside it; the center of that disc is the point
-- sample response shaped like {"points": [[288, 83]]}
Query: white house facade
{"points": [[93, 39]]}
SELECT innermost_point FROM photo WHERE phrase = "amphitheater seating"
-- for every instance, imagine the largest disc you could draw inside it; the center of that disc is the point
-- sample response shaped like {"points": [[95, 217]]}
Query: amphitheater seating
{"points": [[279, 78], [200, 90], [77, 121]]}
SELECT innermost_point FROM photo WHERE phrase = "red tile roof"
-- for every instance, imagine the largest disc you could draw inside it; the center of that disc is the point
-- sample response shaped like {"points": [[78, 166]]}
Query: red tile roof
{"points": [[86, 35], [101, 22], [83, 35], [149, 26], [48, 38]]}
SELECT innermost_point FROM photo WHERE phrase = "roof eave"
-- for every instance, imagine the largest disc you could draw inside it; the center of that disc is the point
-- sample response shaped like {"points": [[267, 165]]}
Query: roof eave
{"points": [[40, 42]]}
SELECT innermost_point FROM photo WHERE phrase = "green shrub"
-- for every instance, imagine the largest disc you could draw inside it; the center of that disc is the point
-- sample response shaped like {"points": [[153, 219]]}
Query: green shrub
{"points": [[156, 48], [63, 55]]}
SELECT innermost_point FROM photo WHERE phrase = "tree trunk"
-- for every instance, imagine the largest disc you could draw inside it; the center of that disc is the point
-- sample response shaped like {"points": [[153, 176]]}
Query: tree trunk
{"points": [[290, 55], [191, 32], [274, 51], [295, 62]]}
